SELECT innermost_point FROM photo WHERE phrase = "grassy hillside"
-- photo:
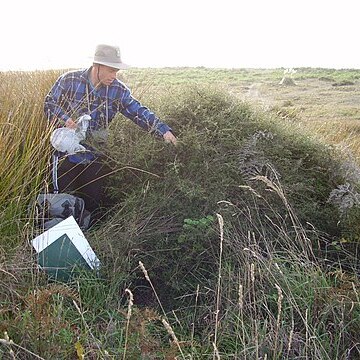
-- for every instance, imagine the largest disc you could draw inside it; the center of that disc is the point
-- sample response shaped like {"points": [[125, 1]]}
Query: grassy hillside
{"points": [[241, 242]]}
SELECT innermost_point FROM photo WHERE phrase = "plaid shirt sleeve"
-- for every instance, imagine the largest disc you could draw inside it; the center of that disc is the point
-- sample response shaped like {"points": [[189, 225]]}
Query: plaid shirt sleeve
{"points": [[141, 115], [53, 107]]}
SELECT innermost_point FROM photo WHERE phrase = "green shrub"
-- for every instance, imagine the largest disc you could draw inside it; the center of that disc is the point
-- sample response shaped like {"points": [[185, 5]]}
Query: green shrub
{"points": [[224, 145]]}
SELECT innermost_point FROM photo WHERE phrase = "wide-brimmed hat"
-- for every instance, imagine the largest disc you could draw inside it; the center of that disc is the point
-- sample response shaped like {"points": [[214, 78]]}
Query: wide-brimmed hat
{"points": [[109, 55]]}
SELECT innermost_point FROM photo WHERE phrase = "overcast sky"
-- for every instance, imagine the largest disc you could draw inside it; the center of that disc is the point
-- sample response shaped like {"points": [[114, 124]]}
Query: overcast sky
{"points": [[43, 34]]}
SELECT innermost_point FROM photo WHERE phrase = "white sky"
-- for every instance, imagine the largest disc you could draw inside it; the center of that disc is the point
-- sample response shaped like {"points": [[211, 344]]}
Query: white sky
{"points": [[48, 34]]}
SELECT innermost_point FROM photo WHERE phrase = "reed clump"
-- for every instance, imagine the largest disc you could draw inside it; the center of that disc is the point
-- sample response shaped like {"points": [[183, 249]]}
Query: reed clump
{"points": [[24, 145]]}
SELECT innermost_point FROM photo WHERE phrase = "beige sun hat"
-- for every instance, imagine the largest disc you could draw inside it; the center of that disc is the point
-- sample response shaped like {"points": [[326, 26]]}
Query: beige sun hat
{"points": [[110, 56]]}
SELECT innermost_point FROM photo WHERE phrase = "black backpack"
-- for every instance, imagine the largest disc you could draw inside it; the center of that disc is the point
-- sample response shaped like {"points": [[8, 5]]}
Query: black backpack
{"points": [[52, 208]]}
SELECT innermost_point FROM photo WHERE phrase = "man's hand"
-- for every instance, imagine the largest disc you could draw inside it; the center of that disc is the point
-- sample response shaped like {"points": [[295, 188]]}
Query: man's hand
{"points": [[170, 138], [71, 124]]}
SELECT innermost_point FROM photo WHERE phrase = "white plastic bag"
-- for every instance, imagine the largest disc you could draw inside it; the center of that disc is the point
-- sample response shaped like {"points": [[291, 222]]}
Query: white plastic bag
{"points": [[82, 126], [68, 140]]}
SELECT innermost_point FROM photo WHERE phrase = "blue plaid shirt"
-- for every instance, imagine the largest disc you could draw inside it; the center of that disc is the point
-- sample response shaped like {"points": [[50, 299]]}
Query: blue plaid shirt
{"points": [[73, 95]]}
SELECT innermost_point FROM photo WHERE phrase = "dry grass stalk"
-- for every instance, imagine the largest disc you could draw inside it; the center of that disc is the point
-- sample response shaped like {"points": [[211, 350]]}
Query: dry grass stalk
{"points": [[194, 317], [173, 336], [241, 310], [216, 352], [303, 240], [241, 297], [96, 341], [255, 312], [221, 226], [164, 320], [128, 316], [143, 269], [9, 343], [279, 304], [252, 273], [307, 337], [356, 292], [291, 336]]}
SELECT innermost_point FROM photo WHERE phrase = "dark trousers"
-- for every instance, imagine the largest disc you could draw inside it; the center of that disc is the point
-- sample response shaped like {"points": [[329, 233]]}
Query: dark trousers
{"points": [[87, 181]]}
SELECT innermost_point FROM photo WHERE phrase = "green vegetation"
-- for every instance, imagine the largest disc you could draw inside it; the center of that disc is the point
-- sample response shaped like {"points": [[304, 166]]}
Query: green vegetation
{"points": [[240, 243]]}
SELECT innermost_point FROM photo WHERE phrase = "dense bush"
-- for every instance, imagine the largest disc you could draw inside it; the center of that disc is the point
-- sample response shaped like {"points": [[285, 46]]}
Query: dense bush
{"points": [[271, 184], [229, 157]]}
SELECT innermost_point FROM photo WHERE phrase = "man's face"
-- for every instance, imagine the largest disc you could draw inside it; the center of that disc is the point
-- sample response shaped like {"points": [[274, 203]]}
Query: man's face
{"points": [[106, 74]]}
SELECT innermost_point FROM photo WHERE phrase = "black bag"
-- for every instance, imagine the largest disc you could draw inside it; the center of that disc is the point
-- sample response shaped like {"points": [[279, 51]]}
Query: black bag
{"points": [[52, 208]]}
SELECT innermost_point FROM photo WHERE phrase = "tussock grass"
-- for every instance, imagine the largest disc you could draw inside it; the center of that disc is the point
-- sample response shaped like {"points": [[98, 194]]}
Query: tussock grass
{"points": [[24, 143]]}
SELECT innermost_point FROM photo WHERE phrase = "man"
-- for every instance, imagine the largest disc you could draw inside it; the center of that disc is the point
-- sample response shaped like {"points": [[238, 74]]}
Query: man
{"points": [[96, 92]]}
